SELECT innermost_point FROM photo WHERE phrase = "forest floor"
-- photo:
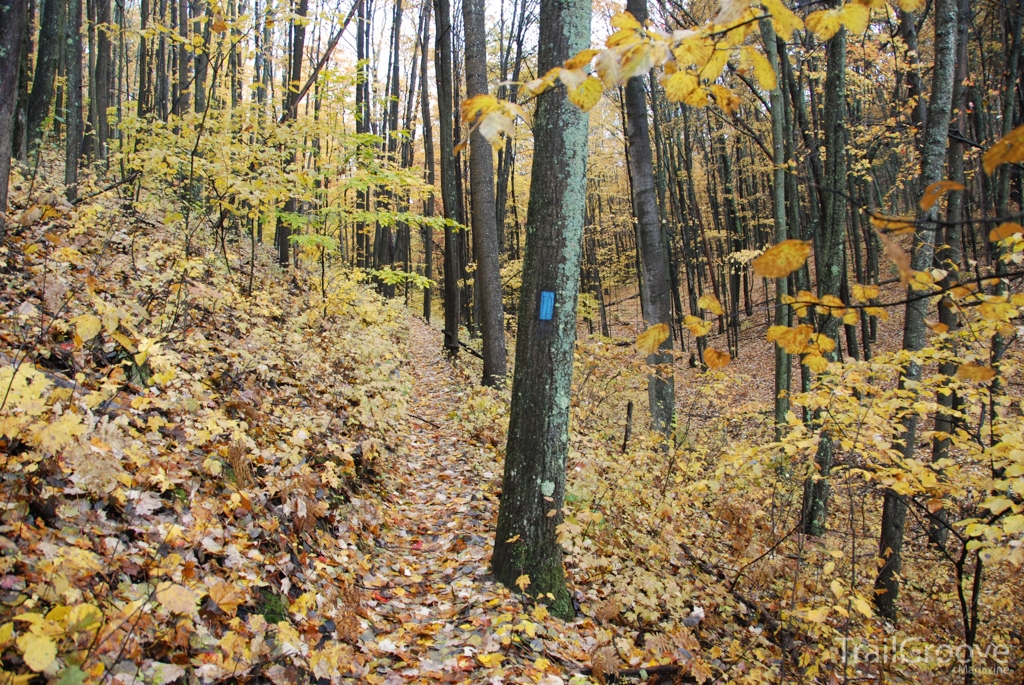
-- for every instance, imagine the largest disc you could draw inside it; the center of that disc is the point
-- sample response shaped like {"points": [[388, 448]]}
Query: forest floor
{"points": [[215, 471]]}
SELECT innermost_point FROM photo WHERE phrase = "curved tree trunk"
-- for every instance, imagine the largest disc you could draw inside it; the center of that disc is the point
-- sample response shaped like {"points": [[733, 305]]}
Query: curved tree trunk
{"points": [[533, 485]]}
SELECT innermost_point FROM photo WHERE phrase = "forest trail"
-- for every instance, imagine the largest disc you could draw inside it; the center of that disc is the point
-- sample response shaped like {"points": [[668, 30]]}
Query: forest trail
{"points": [[431, 601]]}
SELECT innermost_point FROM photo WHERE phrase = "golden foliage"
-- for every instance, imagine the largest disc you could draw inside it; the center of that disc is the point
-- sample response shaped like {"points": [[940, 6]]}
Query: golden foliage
{"points": [[1008, 149], [649, 341], [936, 190], [783, 259], [716, 359]]}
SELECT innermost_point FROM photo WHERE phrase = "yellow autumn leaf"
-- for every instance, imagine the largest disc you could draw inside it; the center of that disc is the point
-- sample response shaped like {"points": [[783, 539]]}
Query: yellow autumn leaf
{"points": [[84, 617], [650, 340], [622, 37], [6, 634], [88, 326], [625, 20], [851, 317], [973, 372], [879, 312], [862, 606], [895, 225], [792, 340], [176, 598], [60, 433], [783, 259], [679, 85], [725, 98], [492, 660], [855, 17], [696, 325], [784, 19], [763, 72], [711, 304], [587, 94], [936, 190], [38, 651], [936, 326], [523, 582], [477, 106], [580, 59], [1004, 231], [911, 5], [830, 305], [815, 362], [712, 69], [1006, 150], [818, 615], [825, 23], [997, 504], [716, 359], [227, 596], [864, 293]]}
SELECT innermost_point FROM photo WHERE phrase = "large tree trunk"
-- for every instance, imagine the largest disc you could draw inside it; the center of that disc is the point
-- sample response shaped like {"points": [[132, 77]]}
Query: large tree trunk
{"points": [[104, 75], [890, 546], [828, 258], [13, 18], [533, 485], [481, 178], [449, 197], [655, 284], [73, 115]]}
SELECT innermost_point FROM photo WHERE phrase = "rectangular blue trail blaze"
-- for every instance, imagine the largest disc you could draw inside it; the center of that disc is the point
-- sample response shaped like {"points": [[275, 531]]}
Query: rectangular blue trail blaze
{"points": [[547, 305]]}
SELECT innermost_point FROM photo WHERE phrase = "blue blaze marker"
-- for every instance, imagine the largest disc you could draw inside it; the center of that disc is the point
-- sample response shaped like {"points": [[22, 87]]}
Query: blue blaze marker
{"points": [[547, 305]]}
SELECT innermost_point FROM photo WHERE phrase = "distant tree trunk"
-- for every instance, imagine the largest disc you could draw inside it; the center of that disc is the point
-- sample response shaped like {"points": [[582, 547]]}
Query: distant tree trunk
{"points": [[428, 157], [828, 258], [199, 10], [449, 197], [290, 103], [533, 485], [783, 364], [894, 513], [20, 139], [655, 288], [13, 18], [184, 62], [161, 90], [485, 233], [143, 95], [73, 116], [104, 78]]}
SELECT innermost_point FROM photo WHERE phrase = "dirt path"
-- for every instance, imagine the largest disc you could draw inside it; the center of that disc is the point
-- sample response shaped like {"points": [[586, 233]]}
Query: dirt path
{"points": [[432, 599]]}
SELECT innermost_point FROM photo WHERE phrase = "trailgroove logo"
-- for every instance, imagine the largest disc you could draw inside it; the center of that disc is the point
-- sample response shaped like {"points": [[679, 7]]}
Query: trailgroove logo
{"points": [[988, 659]]}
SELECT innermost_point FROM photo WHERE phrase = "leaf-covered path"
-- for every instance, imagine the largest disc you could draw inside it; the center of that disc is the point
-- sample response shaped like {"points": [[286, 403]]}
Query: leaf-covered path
{"points": [[432, 603]]}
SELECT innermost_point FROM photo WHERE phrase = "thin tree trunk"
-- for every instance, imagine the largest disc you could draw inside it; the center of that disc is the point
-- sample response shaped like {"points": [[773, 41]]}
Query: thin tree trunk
{"points": [[828, 257], [655, 289], [73, 116], [428, 158], [449, 199], [485, 233]]}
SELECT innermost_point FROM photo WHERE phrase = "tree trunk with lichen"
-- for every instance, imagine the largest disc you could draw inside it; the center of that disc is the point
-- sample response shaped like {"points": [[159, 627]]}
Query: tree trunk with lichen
{"points": [[533, 486]]}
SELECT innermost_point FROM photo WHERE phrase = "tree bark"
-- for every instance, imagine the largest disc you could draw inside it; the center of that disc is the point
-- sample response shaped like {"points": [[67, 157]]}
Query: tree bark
{"points": [[783, 364], [73, 116], [828, 258], [290, 102], [428, 159], [481, 179], [533, 485], [934, 150], [655, 286], [13, 18], [449, 197]]}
